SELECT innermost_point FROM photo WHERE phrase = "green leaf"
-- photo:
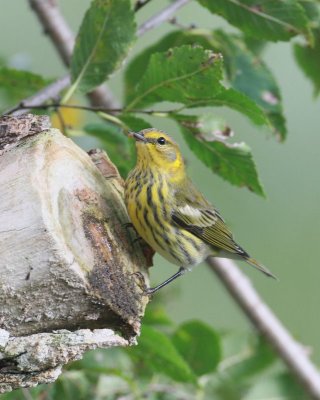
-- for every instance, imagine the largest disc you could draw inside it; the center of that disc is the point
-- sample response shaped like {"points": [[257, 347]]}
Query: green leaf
{"points": [[233, 162], [141, 61], [71, 385], [237, 101], [282, 387], [117, 145], [312, 11], [252, 357], [308, 59], [156, 315], [267, 19], [250, 76], [157, 353], [104, 39], [256, 46], [247, 75], [38, 392], [181, 75], [134, 123], [17, 85], [199, 345]]}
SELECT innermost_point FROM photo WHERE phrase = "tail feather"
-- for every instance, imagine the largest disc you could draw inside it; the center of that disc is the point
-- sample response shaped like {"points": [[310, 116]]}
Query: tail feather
{"points": [[254, 263]]}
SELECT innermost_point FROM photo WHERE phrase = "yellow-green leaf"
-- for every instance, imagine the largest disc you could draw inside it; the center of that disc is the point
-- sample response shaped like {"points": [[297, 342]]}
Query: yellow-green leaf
{"points": [[264, 19]]}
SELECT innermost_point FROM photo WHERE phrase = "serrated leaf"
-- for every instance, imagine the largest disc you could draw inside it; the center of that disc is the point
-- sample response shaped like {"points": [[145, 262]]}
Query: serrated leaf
{"points": [[157, 353], [17, 85], [267, 19], [233, 162], [104, 39], [117, 145], [308, 59], [141, 61], [199, 345], [244, 102], [181, 75], [250, 76], [237, 101]]}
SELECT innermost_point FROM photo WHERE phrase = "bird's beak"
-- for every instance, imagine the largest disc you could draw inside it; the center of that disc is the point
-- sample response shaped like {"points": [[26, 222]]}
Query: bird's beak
{"points": [[138, 136]]}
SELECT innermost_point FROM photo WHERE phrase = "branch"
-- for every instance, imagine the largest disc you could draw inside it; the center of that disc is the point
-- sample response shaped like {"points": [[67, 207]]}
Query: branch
{"points": [[42, 106], [291, 352], [56, 27], [38, 358], [44, 12], [67, 262], [161, 17], [51, 91]]}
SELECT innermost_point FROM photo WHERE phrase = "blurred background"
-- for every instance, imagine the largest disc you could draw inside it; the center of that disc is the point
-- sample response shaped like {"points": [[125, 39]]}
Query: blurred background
{"points": [[282, 231]]}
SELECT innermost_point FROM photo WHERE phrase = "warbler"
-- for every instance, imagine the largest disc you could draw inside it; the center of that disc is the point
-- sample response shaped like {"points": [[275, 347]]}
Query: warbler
{"points": [[170, 214]]}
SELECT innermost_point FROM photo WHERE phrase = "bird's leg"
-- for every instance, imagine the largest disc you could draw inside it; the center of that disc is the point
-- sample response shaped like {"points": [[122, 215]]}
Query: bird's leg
{"points": [[166, 282], [141, 280]]}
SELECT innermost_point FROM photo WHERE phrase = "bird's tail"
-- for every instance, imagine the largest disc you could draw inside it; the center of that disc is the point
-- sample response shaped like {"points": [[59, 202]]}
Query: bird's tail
{"points": [[260, 267]]}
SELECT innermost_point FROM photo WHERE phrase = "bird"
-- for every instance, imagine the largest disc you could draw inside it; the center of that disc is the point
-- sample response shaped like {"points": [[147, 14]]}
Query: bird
{"points": [[170, 213]]}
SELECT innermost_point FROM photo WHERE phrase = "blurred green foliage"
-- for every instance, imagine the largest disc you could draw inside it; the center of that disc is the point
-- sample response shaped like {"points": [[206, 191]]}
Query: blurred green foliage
{"points": [[188, 361], [183, 70]]}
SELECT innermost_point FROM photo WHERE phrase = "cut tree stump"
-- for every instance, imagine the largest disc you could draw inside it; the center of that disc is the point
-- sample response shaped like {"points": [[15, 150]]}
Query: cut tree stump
{"points": [[71, 275]]}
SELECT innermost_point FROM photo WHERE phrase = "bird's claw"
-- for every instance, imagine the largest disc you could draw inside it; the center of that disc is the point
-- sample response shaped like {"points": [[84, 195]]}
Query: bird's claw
{"points": [[141, 281]]}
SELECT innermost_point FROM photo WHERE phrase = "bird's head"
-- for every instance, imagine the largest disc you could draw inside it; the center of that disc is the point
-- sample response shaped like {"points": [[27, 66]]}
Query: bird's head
{"points": [[156, 149]]}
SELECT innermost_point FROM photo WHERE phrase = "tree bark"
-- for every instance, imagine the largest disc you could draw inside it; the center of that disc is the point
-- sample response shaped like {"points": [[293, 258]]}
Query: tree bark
{"points": [[70, 273]]}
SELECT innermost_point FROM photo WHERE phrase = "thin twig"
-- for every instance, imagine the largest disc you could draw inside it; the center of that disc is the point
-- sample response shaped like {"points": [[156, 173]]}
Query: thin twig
{"points": [[27, 105], [56, 27], [291, 352], [161, 17]]}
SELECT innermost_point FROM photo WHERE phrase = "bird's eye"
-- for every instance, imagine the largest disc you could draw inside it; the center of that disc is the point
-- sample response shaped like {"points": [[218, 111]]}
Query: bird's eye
{"points": [[161, 140]]}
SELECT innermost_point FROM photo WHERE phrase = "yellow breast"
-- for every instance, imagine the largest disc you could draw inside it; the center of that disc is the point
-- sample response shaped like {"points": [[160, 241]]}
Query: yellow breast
{"points": [[149, 202]]}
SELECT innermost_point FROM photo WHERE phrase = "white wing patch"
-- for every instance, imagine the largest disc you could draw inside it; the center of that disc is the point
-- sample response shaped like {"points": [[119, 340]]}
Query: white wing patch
{"points": [[190, 211]]}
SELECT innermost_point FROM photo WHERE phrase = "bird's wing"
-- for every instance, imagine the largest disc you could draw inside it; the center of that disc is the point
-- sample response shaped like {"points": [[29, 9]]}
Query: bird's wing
{"points": [[193, 213], [199, 217]]}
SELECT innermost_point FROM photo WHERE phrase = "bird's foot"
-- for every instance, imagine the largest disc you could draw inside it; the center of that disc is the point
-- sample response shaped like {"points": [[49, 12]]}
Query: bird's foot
{"points": [[151, 291], [141, 281]]}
